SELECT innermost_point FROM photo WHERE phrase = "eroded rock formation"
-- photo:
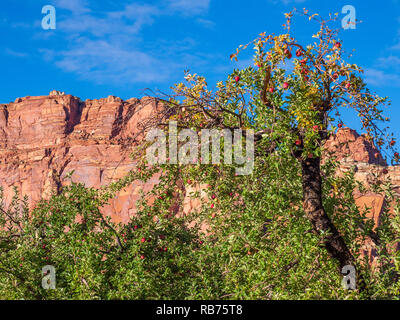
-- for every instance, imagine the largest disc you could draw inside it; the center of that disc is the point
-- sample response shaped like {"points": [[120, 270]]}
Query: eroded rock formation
{"points": [[44, 138]]}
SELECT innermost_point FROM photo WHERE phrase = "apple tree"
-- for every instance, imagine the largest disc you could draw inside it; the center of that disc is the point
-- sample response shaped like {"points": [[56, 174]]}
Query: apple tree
{"points": [[292, 100]]}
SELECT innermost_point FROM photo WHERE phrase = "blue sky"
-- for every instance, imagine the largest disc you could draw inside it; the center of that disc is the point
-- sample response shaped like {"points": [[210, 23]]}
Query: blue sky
{"points": [[112, 47]]}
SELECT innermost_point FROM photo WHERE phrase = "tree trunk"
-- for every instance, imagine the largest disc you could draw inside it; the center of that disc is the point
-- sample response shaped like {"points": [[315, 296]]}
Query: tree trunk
{"points": [[312, 202]]}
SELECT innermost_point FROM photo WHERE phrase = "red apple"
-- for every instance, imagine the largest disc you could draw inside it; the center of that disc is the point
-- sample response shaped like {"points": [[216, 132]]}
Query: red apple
{"points": [[287, 53], [338, 45], [348, 85], [385, 171], [392, 143], [335, 76], [271, 89], [142, 257], [285, 85], [213, 196], [299, 53], [143, 240], [396, 154], [298, 142], [315, 128], [189, 181], [212, 205], [237, 78], [340, 125]]}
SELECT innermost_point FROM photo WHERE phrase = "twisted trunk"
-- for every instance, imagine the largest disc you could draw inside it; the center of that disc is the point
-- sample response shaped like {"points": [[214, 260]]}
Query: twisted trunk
{"points": [[312, 201]]}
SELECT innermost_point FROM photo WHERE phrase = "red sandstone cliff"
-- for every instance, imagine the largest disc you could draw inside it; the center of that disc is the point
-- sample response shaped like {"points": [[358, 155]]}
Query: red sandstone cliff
{"points": [[44, 138], [354, 150]]}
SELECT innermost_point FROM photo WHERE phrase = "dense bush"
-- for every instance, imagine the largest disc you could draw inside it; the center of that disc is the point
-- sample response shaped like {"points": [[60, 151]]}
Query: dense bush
{"points": [[259, 245]]}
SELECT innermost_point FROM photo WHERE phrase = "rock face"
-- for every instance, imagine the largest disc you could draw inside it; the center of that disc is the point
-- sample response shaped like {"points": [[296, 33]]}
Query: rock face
{"points": [[348, 146], [356, 152], [44, 138]]}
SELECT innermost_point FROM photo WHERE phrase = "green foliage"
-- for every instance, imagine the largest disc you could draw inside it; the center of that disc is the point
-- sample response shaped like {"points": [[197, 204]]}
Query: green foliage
{"points": [[250, 237], [259, 243]]}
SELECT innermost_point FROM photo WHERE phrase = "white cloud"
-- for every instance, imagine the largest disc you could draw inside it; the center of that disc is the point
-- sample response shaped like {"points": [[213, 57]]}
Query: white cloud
{"points": [[386, 69], [130, 20], [14, 53], [189, 7], [379, 77], [206, 23], [390, 62], [108, 47], [75, 6], [106, 62], [102, 48]]}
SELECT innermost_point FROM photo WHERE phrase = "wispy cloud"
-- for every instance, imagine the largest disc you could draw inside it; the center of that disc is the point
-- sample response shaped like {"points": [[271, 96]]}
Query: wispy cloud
{"points": [[390, 62], [75, 6], [379, 77], [130, 20], [384, 72], [397, 45], [206, 23], [108, 62], [386, 69], [107, 47], [14, 53], [189, 7]]}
